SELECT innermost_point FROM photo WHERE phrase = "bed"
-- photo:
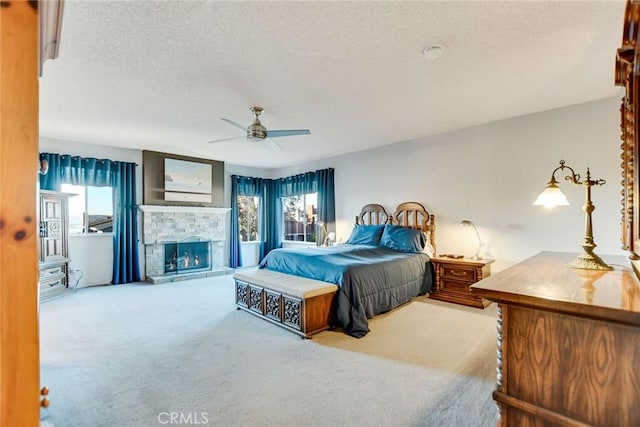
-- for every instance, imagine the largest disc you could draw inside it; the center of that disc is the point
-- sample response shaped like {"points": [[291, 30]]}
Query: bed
{"points": [[382, 266]]}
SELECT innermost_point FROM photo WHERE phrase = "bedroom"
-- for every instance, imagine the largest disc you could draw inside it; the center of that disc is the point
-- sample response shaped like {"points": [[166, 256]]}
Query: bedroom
{"points": [[489, 173]]}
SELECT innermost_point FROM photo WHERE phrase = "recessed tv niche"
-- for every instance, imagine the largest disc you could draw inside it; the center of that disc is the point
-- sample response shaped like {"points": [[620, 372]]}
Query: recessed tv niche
{"points": [[172, 179], [186, 181]]}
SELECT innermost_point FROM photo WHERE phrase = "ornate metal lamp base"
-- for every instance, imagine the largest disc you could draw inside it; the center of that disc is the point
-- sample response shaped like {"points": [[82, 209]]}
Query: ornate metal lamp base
{"points": [[590, 261]]}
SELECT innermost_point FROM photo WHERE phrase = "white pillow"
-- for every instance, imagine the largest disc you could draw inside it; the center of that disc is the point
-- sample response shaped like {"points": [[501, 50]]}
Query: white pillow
{"points": [[428, 248]]}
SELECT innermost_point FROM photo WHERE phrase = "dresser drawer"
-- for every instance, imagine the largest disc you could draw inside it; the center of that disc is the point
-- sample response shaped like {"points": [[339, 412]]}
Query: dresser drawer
{"points": [[459, 273], [46, 273], [48, 284], [52, 276]]}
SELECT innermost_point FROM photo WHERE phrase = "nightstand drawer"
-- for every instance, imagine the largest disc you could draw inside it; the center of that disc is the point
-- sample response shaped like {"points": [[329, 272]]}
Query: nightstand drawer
{"points": [[454, 286], [459, 273]]}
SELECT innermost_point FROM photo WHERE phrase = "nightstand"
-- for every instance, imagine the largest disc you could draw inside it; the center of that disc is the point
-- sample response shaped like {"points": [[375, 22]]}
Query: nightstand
{"points": [[454, 276]]}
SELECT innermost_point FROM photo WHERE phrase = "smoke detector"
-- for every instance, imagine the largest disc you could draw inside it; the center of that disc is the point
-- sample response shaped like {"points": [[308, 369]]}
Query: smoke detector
{"points": [[432, 52]]}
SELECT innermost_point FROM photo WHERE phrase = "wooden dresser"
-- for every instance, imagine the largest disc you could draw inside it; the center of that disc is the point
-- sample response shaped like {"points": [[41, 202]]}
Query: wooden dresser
{"points": [[568, 343]]}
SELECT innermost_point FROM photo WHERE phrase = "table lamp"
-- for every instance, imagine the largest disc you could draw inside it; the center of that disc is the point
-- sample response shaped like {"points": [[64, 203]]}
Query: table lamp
{"points": [[552, 196], [469, 223]]}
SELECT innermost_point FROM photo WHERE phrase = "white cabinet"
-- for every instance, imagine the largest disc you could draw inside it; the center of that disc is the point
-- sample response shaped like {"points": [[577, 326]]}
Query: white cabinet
{"points": [[54, 244]]}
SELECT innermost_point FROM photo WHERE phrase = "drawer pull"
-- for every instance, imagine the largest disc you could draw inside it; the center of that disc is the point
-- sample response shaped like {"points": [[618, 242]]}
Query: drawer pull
{"points": [[458, 274]]}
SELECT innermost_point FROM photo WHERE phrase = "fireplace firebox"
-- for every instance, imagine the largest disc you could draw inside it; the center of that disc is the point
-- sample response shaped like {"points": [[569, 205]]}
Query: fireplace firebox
{"points": [[187, 256]]}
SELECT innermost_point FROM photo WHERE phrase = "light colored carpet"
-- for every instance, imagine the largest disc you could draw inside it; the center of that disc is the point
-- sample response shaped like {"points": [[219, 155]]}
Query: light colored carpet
{"points": [[135, 355]]}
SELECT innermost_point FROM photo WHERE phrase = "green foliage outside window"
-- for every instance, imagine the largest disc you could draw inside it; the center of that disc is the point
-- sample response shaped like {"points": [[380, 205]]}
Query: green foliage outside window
{"points": [[299, 214], [249, 218]]}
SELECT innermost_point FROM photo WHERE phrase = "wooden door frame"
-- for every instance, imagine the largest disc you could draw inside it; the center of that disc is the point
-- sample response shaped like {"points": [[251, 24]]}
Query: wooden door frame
{"points": [[19, 342]]}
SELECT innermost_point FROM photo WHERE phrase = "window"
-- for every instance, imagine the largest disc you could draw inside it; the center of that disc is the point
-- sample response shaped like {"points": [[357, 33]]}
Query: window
{"points": [[249, 218], [90, 210], [300, 217]]}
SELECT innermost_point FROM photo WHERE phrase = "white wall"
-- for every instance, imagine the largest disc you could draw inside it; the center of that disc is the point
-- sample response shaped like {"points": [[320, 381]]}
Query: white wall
{"points": [[491, 174], [93, 254], [91, 259], [250, 252]]}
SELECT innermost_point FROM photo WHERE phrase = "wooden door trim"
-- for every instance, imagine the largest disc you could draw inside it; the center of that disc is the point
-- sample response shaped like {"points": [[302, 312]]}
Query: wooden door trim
{"points": [[19, 346]]}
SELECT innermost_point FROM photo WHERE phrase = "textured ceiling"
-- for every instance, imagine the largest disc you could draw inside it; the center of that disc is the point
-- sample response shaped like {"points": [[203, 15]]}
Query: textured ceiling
{"points": [[159, 75]]}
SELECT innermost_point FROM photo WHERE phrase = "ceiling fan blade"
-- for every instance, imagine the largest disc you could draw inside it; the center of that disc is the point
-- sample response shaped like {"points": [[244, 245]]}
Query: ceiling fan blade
{"points": [[289, 132], [238, 125], [227, 139], [272, 144]]}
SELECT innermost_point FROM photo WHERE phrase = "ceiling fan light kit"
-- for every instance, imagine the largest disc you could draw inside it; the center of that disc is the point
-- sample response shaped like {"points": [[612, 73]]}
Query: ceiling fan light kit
{"points": [[255, 129], [257, 132]]}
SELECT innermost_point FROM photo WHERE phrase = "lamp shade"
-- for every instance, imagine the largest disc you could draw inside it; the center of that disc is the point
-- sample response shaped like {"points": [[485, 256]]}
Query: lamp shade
{"points": [[551, 197]]}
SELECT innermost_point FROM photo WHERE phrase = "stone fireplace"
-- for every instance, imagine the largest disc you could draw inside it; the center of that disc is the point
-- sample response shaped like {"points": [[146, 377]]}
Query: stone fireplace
{"points": [[183, 242]]}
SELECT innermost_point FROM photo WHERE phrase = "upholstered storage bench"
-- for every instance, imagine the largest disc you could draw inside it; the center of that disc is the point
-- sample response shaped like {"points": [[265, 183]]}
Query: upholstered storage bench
{"points": [[301, 305]]}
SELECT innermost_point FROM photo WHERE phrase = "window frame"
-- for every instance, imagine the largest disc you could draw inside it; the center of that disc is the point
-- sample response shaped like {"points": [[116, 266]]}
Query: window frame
{"points": [[85, 212], [259, 216], [314, 221]]}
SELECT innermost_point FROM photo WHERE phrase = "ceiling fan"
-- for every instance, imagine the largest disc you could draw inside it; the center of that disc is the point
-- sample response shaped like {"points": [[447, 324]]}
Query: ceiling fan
{"points": [[257, 132]]}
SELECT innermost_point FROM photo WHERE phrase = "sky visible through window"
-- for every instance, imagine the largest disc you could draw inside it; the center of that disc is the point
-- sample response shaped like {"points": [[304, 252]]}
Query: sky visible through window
{"points": [[96, 200]]}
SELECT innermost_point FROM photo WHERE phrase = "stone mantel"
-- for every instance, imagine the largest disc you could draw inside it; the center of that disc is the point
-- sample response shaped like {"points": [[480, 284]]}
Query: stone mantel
{"points": [[169, 224], [182, 209]]}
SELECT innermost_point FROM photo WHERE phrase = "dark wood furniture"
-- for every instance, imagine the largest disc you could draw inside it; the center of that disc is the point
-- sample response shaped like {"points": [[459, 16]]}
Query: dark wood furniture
{"points": [[568, 343], [627, 75], [407, 214], [414, 215], [301, 305], [455, 276], [54, 259], [373, 214]]}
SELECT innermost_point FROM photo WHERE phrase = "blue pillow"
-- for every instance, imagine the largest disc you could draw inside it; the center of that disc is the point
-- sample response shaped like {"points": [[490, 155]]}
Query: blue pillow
{"points": [[366, 235], [403, 239]]}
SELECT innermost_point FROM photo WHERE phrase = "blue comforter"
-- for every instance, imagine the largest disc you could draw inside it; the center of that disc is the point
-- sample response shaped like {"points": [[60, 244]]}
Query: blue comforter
{"points": [[372, 279]]}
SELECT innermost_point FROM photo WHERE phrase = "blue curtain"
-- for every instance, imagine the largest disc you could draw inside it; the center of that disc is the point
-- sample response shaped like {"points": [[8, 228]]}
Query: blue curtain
{"points": [[245, 186], [326, 200], [272, 218], [121, 176], [297, 185], [235, 259], [65, 169], [270, 192], [126, 265], [52, 180], [321, 182]]}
